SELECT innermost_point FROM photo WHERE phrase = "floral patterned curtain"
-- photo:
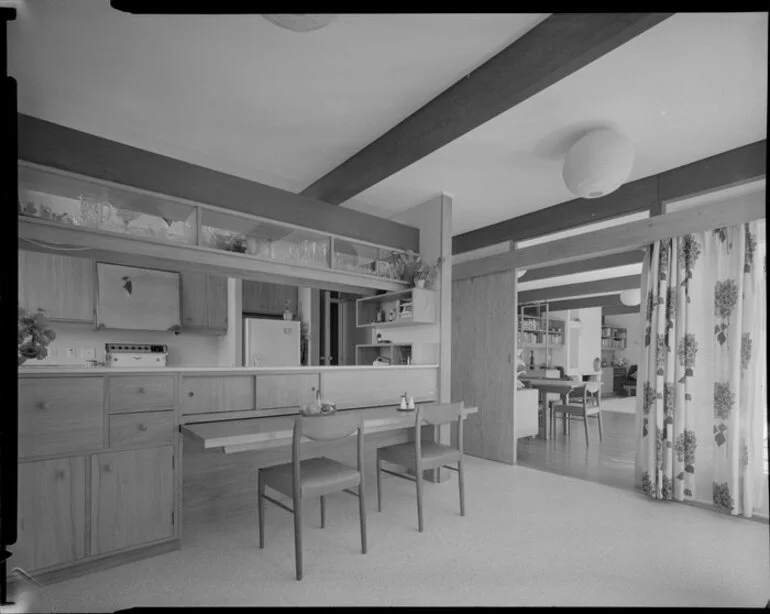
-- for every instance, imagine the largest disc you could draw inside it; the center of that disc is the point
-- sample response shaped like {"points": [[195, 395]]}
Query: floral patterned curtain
{"points": [[702, 392]]}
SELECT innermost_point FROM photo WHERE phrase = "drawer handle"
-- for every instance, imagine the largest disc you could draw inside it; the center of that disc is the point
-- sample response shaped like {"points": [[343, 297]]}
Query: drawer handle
{"points": [[141, 390], [189, 394], [108, 468], [60, 475], [143, 427], [43, 405]]}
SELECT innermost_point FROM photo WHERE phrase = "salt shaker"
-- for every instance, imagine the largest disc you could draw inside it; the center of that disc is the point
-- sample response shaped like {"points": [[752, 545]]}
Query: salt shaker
{"points": [[403, 402], [410, 405]]}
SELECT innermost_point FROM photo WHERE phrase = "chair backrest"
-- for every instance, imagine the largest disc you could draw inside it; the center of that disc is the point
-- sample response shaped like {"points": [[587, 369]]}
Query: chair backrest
{"points": [[326, 428], [579, 394], [437, 414]]}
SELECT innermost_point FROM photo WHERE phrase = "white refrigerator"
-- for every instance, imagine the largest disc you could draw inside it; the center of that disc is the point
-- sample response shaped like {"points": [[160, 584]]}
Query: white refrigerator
{"points": [[271, 343]]}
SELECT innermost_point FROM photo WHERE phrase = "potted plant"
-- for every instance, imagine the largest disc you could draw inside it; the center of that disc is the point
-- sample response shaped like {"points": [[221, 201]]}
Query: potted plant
{"points": [[34, 335], [425, 274]]}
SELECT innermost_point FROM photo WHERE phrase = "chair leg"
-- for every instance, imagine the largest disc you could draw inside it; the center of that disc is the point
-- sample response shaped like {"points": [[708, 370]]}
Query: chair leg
{"points": [[564, 423], [323, 512], [585, 424], [461, 482], [298, 537], [418, 481], [362, 513], [599, 421], [379, 483], [261, 507]]}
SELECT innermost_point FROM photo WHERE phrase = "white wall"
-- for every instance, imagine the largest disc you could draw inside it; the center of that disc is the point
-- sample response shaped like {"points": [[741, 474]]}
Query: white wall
{"points": [[590, 339], [632, 322]]}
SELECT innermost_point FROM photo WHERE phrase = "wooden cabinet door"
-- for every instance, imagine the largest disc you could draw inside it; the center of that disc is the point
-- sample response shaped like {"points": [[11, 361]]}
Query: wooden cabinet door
{"points": [[268, 299], [61, 285], [204, 301], [132, 498], [60, 415], [52, 513]]}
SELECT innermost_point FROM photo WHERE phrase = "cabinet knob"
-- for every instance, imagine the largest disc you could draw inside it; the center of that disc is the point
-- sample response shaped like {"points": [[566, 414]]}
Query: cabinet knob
{"points": [[43, 405], [191, 393], [141, 390], [60, 475], [143, 427], [108, 468]]}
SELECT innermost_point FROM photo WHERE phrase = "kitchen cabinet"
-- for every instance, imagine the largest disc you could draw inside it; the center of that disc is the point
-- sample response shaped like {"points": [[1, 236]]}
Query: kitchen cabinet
{"points": [[205, 394], [262, 298], [132, 498], [292, 390], [204, 302], [61, 285], [51, 512], [136, 298], [60, 415]]}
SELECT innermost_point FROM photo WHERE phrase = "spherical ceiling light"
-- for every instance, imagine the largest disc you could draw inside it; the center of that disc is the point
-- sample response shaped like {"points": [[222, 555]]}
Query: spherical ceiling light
{"points": [[598, 163], [301, 23], [631, 298]]}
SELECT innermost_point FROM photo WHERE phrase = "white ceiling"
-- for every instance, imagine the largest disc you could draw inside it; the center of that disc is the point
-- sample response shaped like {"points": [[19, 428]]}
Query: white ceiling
{"points": [[242, 96], [237, 93], [691, 87]]}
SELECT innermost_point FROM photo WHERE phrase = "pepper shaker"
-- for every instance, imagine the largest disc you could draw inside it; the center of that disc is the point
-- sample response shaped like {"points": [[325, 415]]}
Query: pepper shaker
{"points": [[403, 402], [410, 405]]}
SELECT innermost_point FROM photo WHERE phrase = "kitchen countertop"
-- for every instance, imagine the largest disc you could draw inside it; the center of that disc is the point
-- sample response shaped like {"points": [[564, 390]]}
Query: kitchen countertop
{"points": [[65, 369]]}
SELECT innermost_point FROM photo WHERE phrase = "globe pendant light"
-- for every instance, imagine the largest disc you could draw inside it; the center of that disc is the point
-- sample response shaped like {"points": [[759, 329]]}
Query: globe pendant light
{"points": [[300, 23], [631, 298], [598, 163]]}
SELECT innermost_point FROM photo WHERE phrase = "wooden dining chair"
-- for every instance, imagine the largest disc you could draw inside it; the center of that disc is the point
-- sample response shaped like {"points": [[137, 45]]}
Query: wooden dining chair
{"points": [[314, 477], [418, 456], [584, 401]]}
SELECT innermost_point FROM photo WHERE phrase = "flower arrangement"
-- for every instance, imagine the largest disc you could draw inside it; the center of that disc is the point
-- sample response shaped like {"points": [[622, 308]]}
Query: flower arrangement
{"points": [[34, 335]]}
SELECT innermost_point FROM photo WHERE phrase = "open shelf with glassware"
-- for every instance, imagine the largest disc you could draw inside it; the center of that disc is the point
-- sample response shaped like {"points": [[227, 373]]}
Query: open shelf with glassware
{"points": [[537, 330], [122, 219], [415, 306], [614, 338], [396, 353]]}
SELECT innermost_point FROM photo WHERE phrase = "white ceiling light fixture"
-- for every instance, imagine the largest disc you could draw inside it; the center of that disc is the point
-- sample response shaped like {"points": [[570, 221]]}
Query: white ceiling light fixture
{"points": [[631, 298], [301, 23], [598, 163]]}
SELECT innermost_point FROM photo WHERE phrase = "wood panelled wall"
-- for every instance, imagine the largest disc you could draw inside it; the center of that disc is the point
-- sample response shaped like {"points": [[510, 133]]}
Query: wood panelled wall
{"points": [[262, 298]]}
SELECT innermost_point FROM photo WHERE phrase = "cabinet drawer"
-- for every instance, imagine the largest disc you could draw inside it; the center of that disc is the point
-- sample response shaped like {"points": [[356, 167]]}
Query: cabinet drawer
{"points": [[202, 395], [277, 391], [60, 415], [134, 393], [141, 429]]}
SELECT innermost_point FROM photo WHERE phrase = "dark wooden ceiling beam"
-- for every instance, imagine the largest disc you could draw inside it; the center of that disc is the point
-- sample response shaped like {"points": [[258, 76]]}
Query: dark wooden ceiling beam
{"points": [[57, 146], [738, 165], [612, 284], [619, 310], [608, 300], [581, 266], [555, 48]]}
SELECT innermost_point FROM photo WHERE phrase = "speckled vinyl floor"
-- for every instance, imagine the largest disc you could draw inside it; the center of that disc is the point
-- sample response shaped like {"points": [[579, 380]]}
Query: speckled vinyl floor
{"points": [[529, 538]]}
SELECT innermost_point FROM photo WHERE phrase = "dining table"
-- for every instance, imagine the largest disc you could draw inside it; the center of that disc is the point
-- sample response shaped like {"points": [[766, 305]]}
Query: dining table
{"points": [[546, 386]]}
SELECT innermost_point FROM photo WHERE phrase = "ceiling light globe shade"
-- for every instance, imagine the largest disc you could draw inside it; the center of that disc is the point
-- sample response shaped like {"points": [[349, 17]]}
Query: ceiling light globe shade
{"points": [[631, 298], [300, 23], [598, 163]]}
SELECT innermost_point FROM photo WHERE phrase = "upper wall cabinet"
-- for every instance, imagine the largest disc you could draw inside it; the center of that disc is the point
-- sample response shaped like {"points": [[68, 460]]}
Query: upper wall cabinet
{"points": [[204, 302], [136, 298], [61, 285], [131, 226], [406, 308], [268, 299]]}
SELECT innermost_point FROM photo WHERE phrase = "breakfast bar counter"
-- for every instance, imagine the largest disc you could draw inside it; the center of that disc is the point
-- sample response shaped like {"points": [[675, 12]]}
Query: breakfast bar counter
{"points": [[267, 433]]}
